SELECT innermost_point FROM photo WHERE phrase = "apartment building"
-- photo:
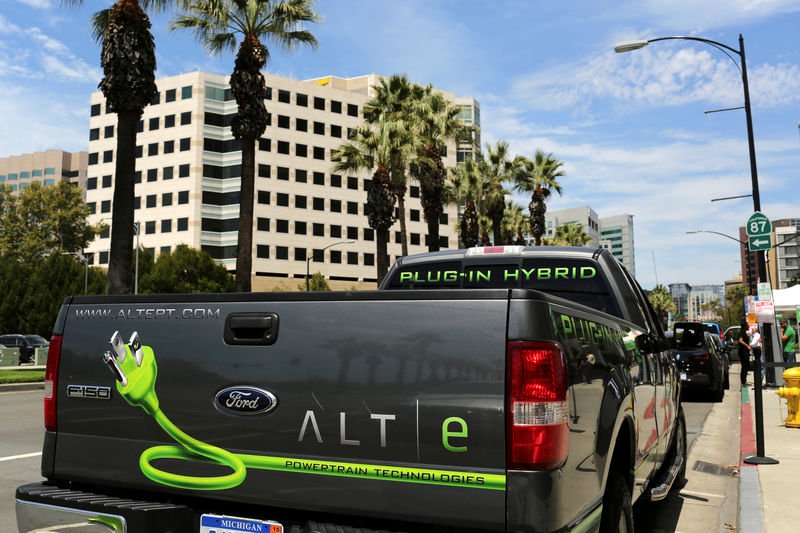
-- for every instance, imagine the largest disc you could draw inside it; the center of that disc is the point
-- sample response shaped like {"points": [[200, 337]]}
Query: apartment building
{"points": [[188, 172], [784, 257], [45, 168], [614, 233]]}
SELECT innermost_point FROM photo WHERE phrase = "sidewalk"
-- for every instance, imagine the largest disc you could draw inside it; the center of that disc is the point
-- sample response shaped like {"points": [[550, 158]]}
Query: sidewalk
{"points": [[774, 485]]}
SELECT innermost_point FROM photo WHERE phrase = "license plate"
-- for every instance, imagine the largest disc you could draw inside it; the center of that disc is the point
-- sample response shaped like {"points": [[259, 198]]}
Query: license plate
{"points": [[683, 376], [212, 523]]}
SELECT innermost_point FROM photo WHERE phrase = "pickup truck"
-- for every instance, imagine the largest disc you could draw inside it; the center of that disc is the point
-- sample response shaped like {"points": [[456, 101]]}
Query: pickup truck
{"points": [[525, 389]]}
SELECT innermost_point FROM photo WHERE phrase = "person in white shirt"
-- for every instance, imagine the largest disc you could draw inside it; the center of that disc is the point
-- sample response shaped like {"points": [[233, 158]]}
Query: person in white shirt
{"points": [[755, 349]]}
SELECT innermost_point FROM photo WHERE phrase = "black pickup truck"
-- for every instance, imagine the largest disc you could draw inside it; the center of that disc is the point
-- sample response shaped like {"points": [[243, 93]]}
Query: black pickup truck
{"points": [[489, 389]]}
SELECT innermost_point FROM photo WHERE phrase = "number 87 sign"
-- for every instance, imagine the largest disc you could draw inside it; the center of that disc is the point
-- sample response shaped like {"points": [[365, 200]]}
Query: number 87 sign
{"points": [[758, 225]]}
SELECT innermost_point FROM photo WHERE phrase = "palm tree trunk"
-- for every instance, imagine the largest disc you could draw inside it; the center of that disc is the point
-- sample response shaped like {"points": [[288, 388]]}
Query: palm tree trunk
{"points": [[244, 250], [401, 212], [121, 253], [431, 187], [381, 249]]}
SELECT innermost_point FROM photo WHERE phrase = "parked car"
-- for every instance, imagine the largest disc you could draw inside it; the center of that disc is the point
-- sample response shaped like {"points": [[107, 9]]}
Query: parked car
{"points": [[714, 329], [27, 345], [731, 338], [701, 362]]}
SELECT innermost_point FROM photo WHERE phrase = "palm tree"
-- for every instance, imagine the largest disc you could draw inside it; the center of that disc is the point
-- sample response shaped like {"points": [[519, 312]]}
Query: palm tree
{"points": [[373, 147], [465, 188], [216, 25], [538, 177], [498, 170], [392, 101], [661, 301], [571, 235], [128, 58], [435, 120], [514, 224]]}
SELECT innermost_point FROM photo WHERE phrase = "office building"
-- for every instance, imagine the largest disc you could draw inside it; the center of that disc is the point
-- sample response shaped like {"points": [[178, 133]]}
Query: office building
{"points": [[188, 171], [700, 299], [680, 295], [784, 257], [45, 168], [614, 233]]}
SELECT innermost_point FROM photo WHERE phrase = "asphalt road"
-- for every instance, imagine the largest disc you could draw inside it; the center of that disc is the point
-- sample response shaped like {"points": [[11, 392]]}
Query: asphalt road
{"points": [[21, 434]]}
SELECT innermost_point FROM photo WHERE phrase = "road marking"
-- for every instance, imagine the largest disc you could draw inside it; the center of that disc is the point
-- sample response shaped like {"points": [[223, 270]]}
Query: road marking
{"points": [[23, 456]]}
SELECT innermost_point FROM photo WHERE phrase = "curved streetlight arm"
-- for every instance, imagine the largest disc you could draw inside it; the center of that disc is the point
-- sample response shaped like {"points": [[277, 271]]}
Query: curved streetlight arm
{"points": [[311, 256], [716, 233]]}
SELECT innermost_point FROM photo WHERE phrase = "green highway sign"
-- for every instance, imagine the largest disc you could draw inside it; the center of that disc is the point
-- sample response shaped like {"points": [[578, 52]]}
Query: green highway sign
{"points": [[759, 243], [758, 225]]}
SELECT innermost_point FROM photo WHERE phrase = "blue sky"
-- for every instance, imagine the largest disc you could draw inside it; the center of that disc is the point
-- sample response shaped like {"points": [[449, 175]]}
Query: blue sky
{"points": [[630, 128]]}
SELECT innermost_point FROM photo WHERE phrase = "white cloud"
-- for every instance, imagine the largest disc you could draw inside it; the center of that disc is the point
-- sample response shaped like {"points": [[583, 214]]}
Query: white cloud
{"points": [[39, 4], [697, 16]]}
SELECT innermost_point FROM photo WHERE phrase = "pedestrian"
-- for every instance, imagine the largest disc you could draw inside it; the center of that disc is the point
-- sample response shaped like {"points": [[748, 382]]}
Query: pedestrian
{"points": [[744, 353], [755, 350], [789, 340]]}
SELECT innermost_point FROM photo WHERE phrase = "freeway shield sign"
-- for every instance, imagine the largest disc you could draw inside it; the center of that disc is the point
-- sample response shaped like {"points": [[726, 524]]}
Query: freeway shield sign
{"points": [[759, 243], [758, 225]]}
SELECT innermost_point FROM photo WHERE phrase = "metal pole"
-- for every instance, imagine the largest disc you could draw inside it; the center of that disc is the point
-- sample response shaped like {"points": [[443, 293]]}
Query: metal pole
{"points": [[308, 260], [86, 278], [136, 227]]}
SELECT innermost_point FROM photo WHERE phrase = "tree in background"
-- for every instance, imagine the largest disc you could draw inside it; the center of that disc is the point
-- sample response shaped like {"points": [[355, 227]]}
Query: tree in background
{"points": [[734, 300], [185, 270], [464, 187], [538, 177], [317, 282], [498, 169], [216, 24], [128, 58], [571, 235], [44, 220], [662, 302], [515, 225]]}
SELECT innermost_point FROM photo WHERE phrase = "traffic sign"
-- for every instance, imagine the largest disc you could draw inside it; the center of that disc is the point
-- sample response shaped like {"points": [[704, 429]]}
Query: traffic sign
{"points": [[757, 243], [758, 225], [764, 292], [765, 312]]}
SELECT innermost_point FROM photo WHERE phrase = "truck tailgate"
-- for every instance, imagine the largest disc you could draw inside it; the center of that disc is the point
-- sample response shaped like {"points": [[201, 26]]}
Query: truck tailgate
{"points": [[386, 404]]}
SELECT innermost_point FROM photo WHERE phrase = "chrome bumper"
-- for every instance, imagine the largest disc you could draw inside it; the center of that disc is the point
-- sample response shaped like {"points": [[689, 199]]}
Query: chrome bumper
{"points": [[38, 517]]}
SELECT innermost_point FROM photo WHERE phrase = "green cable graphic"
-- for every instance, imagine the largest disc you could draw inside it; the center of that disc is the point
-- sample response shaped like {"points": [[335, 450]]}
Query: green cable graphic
{"points": [[136, 383]]}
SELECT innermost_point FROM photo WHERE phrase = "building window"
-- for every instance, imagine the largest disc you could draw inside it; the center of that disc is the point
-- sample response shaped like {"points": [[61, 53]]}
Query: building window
{"points": [[186, 118], [352, 183], [262, 224], [108, 156], [186, 92], [152, 149], [183, 224], [336, 131], [443, 219], [282, 199], [166, 226], [319, 153], [413, 191], [300, 176], [415, 239], [398, 237], [336, 180], [319, 178], [92, 207], [336, 257], [137, 176], [93, 158], [169, 147], [319, 128], [107, 179], [105, 206], [152, 174], [300, 228], [302, 99], [103, 258], [283, 121], [154, 123], [443, 242], [336, 206], [166, 199], [336, 231], [156, 99], [283, 173], [264, 171], [281, 252], [352, 208], [284, 96], [352, 233], [269, 93], [352, 258], [185, 144], [318, 204], [150, 227], [169, 96], [319, 103], [106, 233], [369, 234], [264, 197], [318, 230], [140, 126], [265, 145], [336, 107], [262, 251], [183, 197], [108, 132], [95, 110], [91, 184], [150, 201], [369, 259], [414, 215], [94, 134], [301, 150], [352, 110], [283, 147], [301, 124], [300, 202], [183, 171]]}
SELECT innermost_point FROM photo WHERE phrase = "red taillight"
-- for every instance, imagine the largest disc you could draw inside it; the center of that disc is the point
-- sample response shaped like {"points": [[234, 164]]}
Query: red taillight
{"points": [[537, 409], [51, 382]]}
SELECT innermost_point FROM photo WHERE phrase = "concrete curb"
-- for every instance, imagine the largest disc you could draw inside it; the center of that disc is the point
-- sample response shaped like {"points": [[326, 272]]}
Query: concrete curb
{"points": [[21, 387]]}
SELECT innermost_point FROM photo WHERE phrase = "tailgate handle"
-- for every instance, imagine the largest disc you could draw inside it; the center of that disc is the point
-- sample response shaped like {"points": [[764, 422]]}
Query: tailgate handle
{"points": [[251, 329]]}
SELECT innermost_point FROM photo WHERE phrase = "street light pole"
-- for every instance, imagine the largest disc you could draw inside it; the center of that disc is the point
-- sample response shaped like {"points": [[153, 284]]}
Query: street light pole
{"points": [[136, 228], [85, 261], [311, 256]]}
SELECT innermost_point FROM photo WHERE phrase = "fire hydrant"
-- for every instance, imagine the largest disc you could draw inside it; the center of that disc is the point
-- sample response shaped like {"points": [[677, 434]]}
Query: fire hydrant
{"points": [[792, 394]]}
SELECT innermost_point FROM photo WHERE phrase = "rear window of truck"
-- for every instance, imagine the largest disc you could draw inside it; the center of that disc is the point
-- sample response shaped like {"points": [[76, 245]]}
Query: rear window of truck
{"points": [[577, 280]]}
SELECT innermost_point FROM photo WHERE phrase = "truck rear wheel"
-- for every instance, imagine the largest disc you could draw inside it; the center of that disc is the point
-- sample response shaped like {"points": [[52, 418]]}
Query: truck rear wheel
{"points": [[679, 450], [617, 509]]}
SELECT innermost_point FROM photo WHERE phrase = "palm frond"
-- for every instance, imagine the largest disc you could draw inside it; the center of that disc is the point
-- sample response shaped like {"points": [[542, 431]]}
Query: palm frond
{"points": [[99, 22]]}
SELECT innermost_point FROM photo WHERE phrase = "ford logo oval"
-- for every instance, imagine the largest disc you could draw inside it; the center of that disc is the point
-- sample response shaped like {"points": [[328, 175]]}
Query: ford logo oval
{"points": [[245, 400]]}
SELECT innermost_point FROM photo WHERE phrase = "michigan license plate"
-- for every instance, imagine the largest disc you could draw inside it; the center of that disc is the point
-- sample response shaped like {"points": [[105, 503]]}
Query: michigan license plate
{"points": [[212, 523]]}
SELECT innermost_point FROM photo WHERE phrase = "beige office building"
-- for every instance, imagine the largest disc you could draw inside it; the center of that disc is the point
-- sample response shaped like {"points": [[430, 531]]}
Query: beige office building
{"points": [[188, 176], [45, 168]]}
